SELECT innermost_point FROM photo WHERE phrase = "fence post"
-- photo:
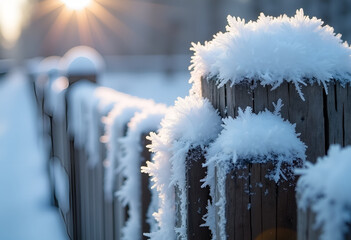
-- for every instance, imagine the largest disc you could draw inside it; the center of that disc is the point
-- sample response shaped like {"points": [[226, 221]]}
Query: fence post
{"points": [[257, 207], [323, 203], [145, 186], [120, 213], [197, 197], [80, 205], [322, 119]]}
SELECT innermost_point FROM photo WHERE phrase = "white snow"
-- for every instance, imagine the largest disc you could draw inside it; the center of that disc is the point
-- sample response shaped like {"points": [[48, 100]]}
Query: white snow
{"points": [[61, 183], [115, 123], [254, 137], [271, 50], [54, 95], [79, 94], [142, 123], [25, 211], [49, 65], [82, 59], [325, 188], [191, 122]]}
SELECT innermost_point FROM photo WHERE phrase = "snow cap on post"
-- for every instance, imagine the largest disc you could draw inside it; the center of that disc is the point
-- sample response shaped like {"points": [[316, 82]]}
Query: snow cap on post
{"points": [[250, 138], [325, 188], [271, 50], [82, 60], [259, 138], [50, 65]]}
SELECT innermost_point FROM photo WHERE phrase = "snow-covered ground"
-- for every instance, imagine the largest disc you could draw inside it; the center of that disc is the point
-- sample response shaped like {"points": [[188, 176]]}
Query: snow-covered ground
{"points": [[25, 210]]}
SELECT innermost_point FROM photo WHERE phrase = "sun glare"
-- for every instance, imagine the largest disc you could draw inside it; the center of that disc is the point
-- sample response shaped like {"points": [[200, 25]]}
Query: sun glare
{"points": [[77, 4]]}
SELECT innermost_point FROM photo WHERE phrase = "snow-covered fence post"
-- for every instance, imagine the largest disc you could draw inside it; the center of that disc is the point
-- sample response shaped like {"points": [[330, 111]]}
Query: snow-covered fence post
{"points": [[324, 197], [80, 63], [322, 119], [297, 60], [119, 172], [197, 196], [250, 173], [145, 186], [176, 168]]}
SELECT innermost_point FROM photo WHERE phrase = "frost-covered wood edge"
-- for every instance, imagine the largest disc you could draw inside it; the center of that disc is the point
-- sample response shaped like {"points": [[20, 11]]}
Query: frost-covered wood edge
{"points": [[322, 119]]}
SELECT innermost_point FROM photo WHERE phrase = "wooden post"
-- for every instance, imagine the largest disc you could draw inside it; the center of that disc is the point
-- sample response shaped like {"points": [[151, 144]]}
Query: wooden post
{"points": [[145, 187], [120, 213], [257, 207], [107, 204], [197, 197], [74, 161], [322, 119]]}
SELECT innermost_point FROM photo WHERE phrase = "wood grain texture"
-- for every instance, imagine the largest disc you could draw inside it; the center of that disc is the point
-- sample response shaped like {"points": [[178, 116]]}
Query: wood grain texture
{"points": [[145, 187], [238, 209], [197, 196], [347, 116], [322, 119], [256, 201]]}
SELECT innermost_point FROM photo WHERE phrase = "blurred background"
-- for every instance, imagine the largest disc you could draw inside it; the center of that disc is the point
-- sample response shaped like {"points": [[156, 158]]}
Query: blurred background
{"points": [[127, 31], [145, 46]]}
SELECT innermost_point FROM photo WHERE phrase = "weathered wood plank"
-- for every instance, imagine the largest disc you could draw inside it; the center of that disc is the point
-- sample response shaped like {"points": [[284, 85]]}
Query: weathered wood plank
{"points": [[347, 116], [269, 203], [239, 96], [241, 229], [282, 92], [83, 207], [197, 196], [286, 205], [77, 191], [215, 200], [260, 99], [256, 201], [309, 116], [145, 189], [334, 109], [205, 89]]}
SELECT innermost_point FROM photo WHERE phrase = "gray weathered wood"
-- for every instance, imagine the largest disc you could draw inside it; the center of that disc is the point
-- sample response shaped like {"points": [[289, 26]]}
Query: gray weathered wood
{"points": [[322, 119], [237, 208], [145, 187], [257, 207], [197, 196]]}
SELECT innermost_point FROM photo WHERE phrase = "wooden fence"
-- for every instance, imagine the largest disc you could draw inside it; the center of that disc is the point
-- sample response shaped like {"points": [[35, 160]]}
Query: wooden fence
{"points": [[322, 119], [91, 214]]}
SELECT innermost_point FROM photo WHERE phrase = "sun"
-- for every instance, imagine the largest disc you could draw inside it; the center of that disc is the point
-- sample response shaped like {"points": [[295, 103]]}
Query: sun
{"points": [[77, 4]]}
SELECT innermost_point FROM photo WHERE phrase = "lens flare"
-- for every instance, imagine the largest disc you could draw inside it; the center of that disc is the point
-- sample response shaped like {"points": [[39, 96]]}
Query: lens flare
{"points": [[76, 4]]}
